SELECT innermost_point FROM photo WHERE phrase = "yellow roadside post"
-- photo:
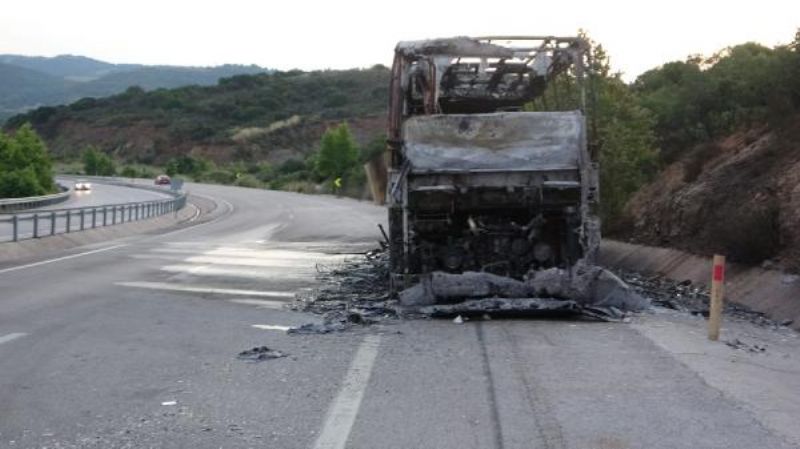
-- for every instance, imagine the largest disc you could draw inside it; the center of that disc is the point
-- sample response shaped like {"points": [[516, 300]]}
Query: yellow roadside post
{"points": [[717, 291], [337, 186]]}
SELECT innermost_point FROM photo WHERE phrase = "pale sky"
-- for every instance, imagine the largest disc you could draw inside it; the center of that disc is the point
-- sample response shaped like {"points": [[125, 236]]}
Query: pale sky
{"points": [[337, 34]]}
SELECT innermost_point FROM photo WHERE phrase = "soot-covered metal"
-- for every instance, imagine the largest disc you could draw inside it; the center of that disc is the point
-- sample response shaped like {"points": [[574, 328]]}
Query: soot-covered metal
{"points": [[477, 183]]}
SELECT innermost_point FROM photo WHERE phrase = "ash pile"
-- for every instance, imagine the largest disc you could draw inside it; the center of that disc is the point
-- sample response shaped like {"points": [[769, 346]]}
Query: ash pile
{"points": [[685, 297], [358, 293], [353, 293]]}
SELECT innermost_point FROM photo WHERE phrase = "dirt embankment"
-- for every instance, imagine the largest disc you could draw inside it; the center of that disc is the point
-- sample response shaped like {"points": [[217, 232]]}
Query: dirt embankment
{"points": [[739, 196]]}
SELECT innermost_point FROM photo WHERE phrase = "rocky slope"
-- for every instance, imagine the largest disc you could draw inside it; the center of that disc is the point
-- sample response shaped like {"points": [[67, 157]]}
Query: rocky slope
{"points": [[739, 196]]}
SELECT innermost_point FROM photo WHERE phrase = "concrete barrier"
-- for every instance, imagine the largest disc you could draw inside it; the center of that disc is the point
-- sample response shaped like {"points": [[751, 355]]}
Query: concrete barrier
{"points": [[772, 292]]}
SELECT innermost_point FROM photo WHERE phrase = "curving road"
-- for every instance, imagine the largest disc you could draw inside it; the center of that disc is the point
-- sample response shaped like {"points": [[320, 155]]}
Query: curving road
{"points": [[133, 344], [101, 194]]}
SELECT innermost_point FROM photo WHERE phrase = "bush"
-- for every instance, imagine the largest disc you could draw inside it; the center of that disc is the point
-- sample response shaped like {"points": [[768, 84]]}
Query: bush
{"points": [[338, 153], [97, 163], [25, 165]]}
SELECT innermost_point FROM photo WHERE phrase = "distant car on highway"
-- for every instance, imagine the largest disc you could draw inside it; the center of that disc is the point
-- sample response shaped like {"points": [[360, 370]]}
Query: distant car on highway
{"points": [[163, 180], [83, 185]]}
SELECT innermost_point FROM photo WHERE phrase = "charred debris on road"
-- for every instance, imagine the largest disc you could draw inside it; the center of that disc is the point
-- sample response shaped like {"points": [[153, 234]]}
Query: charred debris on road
{"points": [[357, 293]]}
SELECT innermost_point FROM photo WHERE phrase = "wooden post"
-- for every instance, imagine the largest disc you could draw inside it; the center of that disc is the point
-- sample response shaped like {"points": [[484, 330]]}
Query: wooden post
{"points": [[717, 291]]}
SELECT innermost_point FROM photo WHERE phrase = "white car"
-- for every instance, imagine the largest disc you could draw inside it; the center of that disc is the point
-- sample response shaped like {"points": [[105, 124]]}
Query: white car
{"points": [[83, 185]]}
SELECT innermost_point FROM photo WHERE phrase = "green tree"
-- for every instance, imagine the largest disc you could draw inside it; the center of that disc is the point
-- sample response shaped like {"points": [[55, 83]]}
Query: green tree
{"points": [[338, 153], [97, 163], [628, 154], [25, 165]]}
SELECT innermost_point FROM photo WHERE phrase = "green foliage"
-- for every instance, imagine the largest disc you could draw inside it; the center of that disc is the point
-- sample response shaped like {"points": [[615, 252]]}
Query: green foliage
{"points": [[195, 167], [129, 172], [338, 153], [97, 163], [624, 131], [703, 99], [375, 147], [206, 114], [25, 166]]}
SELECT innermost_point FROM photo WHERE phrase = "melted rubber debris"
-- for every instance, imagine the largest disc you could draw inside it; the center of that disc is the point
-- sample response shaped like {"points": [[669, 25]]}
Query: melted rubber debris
{"points": [[356, 293], [260, 354]]}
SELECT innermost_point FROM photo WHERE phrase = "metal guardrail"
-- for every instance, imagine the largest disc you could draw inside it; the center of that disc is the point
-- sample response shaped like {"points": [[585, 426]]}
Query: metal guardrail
{"points": [[36, 224], [12, 204]]}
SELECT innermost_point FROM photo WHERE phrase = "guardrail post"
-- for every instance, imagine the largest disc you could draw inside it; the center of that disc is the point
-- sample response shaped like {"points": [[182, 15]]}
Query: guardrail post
{"points": [[14, 222], [52, 223], [105, 212], [69, 220], [83, 213], [35, 226]]}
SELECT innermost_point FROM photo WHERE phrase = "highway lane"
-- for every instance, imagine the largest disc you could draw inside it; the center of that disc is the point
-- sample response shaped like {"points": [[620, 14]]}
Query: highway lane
{"points": [[134, 345], [100, 195]]}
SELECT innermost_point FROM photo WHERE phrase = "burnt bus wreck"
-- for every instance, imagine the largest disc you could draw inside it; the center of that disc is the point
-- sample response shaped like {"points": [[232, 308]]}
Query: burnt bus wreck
{"points": [[477, 184]]}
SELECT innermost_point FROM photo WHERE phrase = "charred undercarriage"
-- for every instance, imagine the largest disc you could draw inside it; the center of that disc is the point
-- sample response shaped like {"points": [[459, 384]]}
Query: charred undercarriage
{"points": [[501, 230]]}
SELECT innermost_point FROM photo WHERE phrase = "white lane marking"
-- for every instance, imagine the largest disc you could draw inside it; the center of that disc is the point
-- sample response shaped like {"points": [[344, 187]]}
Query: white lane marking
{"points": [[232, 251], [58, 259], [227, 213], [344, 409], [283, 273], [9, 337], [218, 291], [238, 261], [262, 303], [271, 327]]}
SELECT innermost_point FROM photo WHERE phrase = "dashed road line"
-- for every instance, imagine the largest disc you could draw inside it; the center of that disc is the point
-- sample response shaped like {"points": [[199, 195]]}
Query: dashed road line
{"points": [[10, 337], [211, 290], [344, 409], [58, 259]]}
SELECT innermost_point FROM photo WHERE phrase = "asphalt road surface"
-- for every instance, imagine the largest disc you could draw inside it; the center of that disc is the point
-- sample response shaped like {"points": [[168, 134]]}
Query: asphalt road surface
{"points": [[133, 344], [102, 194], [99, 195]]}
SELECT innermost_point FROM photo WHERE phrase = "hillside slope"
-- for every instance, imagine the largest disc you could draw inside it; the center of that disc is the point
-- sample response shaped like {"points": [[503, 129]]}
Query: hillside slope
{"points": [[31, 81], [21, 87], [738, 196], [272, 117]]}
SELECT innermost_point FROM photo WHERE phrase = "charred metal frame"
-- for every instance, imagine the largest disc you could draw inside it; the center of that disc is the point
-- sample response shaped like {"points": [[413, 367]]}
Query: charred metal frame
{"points": [[486, 75]]}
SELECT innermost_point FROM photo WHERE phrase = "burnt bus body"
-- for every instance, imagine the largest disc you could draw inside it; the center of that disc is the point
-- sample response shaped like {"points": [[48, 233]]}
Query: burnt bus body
{"points": [[475, 182]]}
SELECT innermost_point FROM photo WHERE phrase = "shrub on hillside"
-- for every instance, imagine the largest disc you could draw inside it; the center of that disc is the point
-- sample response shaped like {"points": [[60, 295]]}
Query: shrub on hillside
{"points": [[97, 163]]}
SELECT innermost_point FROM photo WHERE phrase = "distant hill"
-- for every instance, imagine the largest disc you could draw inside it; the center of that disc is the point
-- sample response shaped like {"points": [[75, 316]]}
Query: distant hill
{"points": [[76, 68], [22, 88], [264, 117], [31, 81]]}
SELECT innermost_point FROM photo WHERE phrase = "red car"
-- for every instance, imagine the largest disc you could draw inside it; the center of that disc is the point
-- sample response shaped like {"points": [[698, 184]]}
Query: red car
{"points": [[163, 180]]}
